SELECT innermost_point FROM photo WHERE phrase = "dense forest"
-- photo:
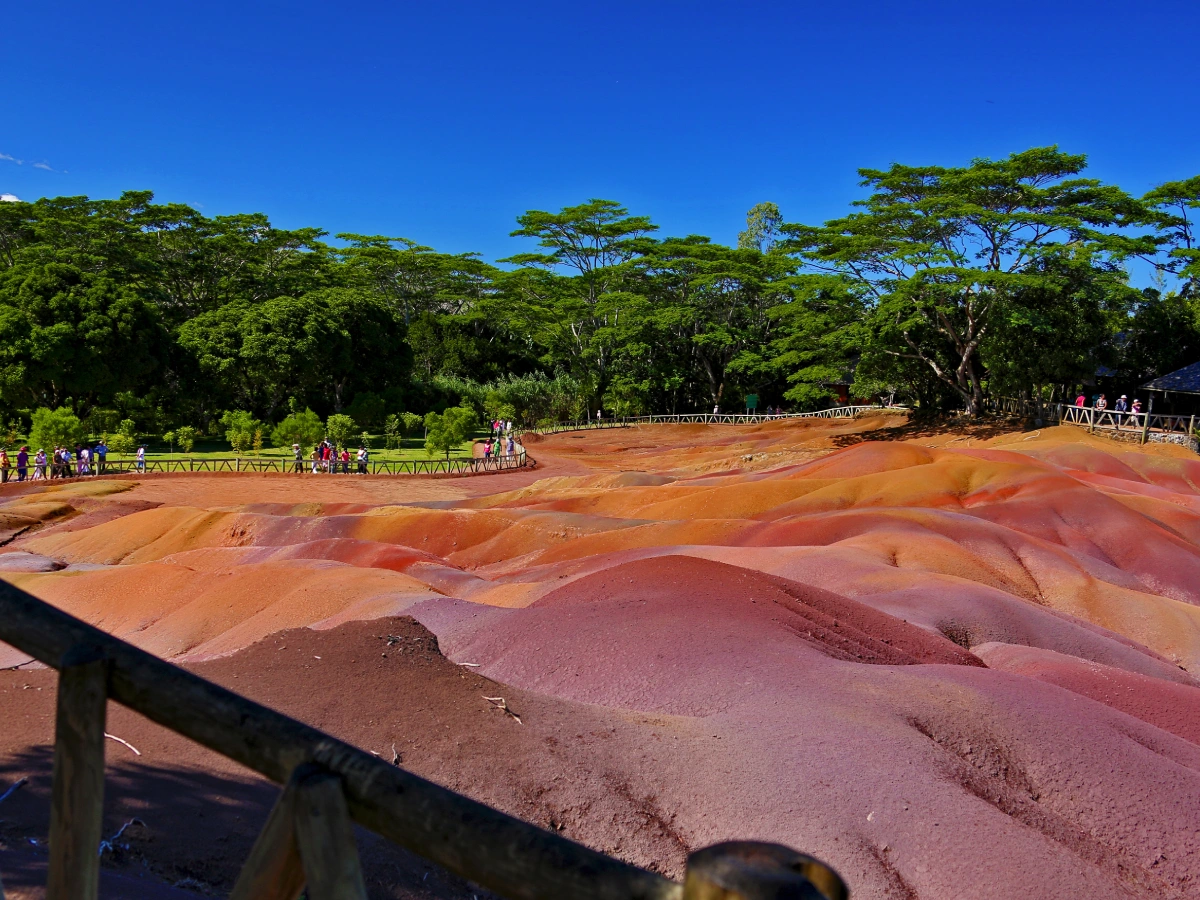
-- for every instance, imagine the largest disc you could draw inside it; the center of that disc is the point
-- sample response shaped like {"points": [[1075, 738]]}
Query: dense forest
{"points": [[941, 286]]}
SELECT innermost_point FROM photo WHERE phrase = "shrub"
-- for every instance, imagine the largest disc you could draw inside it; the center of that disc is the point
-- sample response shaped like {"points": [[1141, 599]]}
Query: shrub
{"points": [[340, 428], [55, 427], [303, 428], [239, 429], [185, 437]]}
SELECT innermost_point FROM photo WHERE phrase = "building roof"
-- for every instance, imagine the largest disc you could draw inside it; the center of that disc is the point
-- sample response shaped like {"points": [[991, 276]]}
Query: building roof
{"points": [[1183, 381]]}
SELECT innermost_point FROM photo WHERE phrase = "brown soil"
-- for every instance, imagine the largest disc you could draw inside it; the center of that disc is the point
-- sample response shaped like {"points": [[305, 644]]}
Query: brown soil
{"points": [[202, 812]]}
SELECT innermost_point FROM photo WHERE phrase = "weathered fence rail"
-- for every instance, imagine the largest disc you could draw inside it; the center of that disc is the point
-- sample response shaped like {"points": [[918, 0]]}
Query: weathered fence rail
{"points": [[250, 464], [1144, 425], [835, 412], [307, 842]]}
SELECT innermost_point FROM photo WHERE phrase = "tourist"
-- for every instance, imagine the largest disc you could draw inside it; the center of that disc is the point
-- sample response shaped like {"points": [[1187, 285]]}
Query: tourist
{"points": [[39, 466], [1122, 404], [1135, 410], [85, 459], [4, 467], [1101, 402], [511, 445], [316, 459], [100, 455], [345, 461], [141, 460], [487, 449], [298, 457], [362, 459], [22, 463], [1081, 400]]}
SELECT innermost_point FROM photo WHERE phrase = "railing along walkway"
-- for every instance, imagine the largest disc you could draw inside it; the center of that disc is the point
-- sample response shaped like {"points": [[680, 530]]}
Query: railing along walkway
{"points": [[834, 412], [252, 464], [1142, 424], [308, 842]]}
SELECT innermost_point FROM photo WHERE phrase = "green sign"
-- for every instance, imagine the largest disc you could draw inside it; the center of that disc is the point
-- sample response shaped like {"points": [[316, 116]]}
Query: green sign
{"points": [[752, 401]]}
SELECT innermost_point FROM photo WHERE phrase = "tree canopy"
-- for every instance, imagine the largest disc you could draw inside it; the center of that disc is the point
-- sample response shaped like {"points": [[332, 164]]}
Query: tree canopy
{"points": [[941, 285]]}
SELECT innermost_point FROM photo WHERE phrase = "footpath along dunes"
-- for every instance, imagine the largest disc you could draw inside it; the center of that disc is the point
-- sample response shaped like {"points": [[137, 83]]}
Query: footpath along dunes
{"points": [[950, 663]]}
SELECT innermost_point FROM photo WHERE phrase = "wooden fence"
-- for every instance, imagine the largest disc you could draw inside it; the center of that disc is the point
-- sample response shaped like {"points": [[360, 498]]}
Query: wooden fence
{"points": [[308, 842], [253, 464], [1144, 425], [835, 412]]}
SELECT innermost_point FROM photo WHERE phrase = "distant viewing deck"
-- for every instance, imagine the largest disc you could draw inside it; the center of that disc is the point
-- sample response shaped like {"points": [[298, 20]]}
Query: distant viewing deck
{"points": [[1144, 426]]}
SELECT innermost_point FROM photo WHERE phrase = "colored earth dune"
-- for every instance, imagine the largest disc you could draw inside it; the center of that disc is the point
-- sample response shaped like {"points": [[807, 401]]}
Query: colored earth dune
{"points": [[951, 664]]}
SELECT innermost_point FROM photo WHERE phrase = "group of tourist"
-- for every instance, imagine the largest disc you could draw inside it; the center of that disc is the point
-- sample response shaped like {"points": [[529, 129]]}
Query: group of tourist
{"points": [[325, 457], [1121, 407], [500, 446], [63, 462]]}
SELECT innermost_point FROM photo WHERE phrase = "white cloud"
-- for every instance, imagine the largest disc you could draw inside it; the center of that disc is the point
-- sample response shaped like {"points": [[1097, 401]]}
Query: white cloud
{"points": [[11, 158], [42, 165], [9, 198]]}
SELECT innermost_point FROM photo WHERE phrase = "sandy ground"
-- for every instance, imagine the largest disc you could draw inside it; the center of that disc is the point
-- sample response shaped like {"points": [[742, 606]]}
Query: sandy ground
{"points": [[917, 653]]}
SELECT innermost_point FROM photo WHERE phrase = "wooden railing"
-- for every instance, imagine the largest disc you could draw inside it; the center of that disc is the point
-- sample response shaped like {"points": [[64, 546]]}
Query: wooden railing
{"points": [[835, 412], [1142, 424], [455, 465], [307, 842]]}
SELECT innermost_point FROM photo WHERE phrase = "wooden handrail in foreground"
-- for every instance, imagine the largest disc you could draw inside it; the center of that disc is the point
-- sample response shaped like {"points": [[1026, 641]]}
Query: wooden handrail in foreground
{"points": [[310, 823]]}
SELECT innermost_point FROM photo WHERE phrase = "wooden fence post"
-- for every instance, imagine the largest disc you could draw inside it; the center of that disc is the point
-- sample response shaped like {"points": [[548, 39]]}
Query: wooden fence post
{"points": [[326, 839], [748, 870], [77, 795], [273, 871]]}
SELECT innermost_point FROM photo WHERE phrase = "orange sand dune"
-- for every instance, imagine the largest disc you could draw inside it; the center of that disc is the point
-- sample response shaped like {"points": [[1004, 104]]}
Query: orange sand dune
{"points": [[918, 654]]}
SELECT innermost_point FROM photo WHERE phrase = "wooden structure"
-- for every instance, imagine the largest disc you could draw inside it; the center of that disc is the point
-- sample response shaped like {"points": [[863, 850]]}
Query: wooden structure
{"points": [[1143, 425], [455, 465], [308, 843], [834, 412]]}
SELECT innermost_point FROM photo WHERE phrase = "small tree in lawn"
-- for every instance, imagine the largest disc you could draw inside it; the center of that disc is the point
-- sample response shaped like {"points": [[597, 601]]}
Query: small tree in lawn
{"points": [[393, 430], [239, 429], [411, 421], [340, 428], [55, 428], [124, 440], [258, 440], [447, 431], [301, 427], [185, 437]]}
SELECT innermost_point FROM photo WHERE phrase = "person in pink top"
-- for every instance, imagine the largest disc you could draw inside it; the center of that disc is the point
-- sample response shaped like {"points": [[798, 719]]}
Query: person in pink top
{"points": [[1080, 400]]}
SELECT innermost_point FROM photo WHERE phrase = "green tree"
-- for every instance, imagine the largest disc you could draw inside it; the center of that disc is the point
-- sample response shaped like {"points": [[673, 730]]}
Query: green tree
{"points": [[302, 427], [447, 431], [340, 428], [595, 240], [411, 422], [1176, 207], [763, 224], [240, 426], [185, 436], [55, 428], [936, 252]]}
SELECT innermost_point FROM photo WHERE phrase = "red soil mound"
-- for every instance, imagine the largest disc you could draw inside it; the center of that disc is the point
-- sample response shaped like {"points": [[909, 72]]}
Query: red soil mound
{"points": [[1171, 707], [765, 603]]}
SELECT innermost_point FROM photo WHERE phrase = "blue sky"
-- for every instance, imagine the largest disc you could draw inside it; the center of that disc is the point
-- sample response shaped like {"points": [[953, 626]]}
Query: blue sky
{"points": [[441, 122]]}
